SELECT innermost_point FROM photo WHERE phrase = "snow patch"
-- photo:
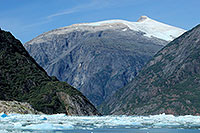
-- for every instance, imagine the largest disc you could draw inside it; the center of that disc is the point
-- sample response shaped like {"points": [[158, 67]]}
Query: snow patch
{"points": [[125, 29], [150, 27]]}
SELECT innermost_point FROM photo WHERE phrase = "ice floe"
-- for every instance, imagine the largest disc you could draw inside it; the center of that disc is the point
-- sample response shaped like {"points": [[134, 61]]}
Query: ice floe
{"points": [[59, 122]]}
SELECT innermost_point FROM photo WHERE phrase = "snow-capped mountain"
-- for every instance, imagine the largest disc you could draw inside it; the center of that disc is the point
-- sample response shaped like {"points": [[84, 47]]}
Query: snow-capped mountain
{"points": [[150, 27], [99, 58]]}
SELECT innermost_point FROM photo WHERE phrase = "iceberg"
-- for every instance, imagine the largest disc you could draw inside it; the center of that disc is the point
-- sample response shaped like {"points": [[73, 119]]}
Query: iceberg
{"points": [[62, 122]]}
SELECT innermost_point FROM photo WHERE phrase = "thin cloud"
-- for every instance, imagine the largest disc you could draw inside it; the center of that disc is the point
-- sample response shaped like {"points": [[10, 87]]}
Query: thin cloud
{"points": [[49, 18], [95, 4], [70, 11]]}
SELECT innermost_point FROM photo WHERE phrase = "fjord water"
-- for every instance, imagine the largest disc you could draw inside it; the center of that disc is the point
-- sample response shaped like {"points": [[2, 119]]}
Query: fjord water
{"points": [[93, 124]]}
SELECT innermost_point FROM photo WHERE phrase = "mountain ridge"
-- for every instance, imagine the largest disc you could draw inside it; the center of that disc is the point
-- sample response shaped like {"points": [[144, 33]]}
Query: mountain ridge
{"points": [[150, 27], [143, 26], [97, 60], [169, 83]]}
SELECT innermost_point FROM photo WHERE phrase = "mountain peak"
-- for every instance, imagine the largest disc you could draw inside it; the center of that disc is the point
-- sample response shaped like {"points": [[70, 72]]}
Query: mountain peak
{"points": [[142, 18], [148, 26]]}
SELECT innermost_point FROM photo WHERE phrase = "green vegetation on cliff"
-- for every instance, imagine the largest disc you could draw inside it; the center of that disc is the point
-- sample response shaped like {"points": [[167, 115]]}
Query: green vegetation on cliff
{"points": [[22, 79]]}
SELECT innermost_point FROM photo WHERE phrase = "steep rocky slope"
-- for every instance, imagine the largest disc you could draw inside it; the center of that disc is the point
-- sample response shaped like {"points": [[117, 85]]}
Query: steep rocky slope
{"points": [[22, 79], [169, 83], [14, 107], [99, 58]]}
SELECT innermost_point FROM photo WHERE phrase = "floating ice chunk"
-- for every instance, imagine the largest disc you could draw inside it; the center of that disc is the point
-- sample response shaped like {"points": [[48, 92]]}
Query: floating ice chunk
{"points": [[3, 115], [44, 118], [63, 122], [48, 126]]}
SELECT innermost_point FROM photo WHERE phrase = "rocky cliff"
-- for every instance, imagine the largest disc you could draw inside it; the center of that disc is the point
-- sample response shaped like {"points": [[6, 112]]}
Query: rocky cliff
{"points": [[99, 58], [14, 107], [169, 83], [22, 79]]}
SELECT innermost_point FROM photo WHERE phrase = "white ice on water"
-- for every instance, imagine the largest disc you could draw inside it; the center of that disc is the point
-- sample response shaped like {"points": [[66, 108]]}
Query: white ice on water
{"points": [[63, 122]]}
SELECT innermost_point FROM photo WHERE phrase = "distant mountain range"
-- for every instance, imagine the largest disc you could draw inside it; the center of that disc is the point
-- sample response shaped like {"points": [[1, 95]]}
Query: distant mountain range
{"points": [[23, 80], [99, 58], [169, 83]]}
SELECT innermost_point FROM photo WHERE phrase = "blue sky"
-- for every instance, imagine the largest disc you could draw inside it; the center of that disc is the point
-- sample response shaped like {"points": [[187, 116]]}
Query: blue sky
{"points": [[27, 19]]}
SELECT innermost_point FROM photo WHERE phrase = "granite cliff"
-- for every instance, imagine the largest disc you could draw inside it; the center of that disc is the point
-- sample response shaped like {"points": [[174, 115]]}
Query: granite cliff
{"points": [[169, 83]]}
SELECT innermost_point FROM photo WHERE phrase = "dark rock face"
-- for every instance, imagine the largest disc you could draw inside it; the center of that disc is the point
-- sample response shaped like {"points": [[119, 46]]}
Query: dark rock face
{"points": [[96, 60], [22, 79], [169, 83]]}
